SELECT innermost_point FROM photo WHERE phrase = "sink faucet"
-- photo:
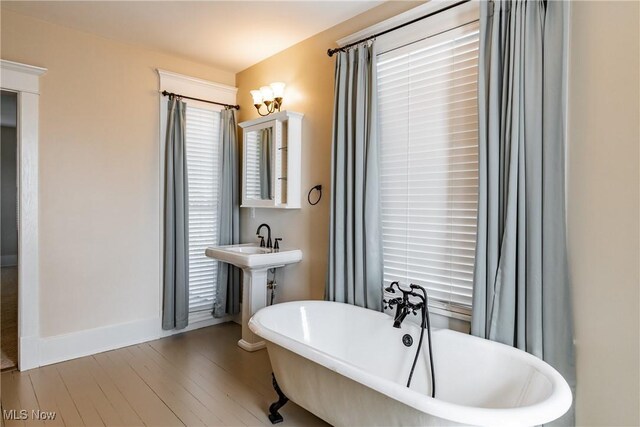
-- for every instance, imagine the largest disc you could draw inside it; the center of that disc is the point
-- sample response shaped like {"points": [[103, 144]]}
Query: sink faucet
{"points": [[269, 244]]}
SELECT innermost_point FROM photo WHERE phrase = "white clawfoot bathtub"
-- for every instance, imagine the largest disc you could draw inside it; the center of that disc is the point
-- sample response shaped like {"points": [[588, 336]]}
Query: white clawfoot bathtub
{"points": [[348, 366]]}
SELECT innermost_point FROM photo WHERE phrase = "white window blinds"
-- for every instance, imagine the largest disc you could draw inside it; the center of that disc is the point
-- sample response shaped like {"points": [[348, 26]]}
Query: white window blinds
{"points": [[428, 123], [202, 133]]}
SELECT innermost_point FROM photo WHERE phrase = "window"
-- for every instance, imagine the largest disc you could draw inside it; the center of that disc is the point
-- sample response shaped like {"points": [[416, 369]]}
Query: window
{"points": [[204, 156], [202, 143], [428, 125]]}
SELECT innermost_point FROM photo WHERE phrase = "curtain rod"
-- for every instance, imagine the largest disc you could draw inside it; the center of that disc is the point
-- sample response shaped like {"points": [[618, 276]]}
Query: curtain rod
{"points": [[331, 52], [170, 94]]}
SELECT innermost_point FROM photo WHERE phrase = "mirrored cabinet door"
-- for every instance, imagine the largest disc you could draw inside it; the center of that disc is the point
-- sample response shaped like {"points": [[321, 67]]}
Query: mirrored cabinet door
{"points": [[271, 161], [258, 158]]}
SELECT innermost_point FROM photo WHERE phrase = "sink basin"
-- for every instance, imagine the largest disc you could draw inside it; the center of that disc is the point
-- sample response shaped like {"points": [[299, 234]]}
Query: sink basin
{"points": [[254, 262], [250, 256], [250, 250]]}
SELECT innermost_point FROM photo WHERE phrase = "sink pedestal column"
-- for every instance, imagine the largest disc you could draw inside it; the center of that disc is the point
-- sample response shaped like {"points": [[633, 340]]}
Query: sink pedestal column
{"points": [[254, 297], [254, 261]]}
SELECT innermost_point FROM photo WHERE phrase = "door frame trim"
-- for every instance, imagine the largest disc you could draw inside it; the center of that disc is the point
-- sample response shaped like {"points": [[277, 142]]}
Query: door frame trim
{"points": [[25, 81]]}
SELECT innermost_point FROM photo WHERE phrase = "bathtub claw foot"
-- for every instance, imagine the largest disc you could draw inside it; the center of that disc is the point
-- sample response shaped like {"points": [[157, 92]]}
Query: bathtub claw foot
{"points": [[275, 418], [274, 415]]}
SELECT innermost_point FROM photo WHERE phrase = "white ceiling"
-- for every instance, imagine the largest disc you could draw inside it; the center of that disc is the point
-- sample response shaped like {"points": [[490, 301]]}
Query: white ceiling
{"points": [[230, 35]]}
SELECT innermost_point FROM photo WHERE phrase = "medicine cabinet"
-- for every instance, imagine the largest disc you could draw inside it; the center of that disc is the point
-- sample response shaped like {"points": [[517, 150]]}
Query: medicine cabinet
{"points": [[271, 161]]}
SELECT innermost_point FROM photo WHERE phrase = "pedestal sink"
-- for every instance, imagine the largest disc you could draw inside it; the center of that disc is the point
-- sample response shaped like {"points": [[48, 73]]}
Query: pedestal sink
{"points": [[254, 262]]}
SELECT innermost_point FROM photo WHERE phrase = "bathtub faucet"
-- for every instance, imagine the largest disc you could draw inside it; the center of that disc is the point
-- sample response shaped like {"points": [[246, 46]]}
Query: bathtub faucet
{"points": [[401, 313], [403, 305]]}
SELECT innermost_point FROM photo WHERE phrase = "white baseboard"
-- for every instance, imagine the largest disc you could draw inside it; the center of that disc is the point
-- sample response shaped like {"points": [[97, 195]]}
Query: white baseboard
{"points": [[64, 347], [9, 260], [83, 343]]}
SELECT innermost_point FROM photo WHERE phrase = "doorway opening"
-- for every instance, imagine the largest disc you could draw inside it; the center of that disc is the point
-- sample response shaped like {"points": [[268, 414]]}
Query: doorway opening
{"points": [[9, 230]]}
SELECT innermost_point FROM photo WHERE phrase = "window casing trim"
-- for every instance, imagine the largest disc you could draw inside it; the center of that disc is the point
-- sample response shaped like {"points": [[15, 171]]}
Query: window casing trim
{"points": [[189, 86], [427, 27]]}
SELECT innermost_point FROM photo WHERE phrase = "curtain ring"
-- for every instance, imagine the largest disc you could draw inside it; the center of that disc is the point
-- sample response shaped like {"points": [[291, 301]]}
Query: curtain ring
{"points": [[319, 189]]}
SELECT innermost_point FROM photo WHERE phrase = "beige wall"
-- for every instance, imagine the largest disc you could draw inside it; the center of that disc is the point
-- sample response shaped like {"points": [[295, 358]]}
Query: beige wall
{"points": [[603, 211], [308, 73], [99, 172]]}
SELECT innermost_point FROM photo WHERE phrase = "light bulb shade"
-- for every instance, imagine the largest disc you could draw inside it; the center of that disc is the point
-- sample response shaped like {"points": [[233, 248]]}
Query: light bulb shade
{"points": [[267, 93], [278, 89], [257, 97]]}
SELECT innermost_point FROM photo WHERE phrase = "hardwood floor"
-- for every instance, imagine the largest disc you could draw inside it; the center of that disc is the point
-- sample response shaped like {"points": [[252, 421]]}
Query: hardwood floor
{"points": [[8, 317], [199, 378]]}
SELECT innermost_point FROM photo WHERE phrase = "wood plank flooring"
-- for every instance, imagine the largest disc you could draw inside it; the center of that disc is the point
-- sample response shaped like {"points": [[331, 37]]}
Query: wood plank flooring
{"points": [[198, 378]]}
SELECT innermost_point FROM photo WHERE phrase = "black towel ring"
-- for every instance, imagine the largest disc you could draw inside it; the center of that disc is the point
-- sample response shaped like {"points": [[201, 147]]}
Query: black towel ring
{"points": [[319, 188]]}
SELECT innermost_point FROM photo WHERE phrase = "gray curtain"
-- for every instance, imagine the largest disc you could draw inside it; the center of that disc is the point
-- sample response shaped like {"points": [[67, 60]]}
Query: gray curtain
{"points": [[175, 313], [265, 164], [228, 281], [355, 246], [521, 285]]}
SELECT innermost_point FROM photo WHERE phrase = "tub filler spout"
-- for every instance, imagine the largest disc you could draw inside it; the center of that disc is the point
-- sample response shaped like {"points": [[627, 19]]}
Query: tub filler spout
{"points": [[403, 305], [401, 313]]}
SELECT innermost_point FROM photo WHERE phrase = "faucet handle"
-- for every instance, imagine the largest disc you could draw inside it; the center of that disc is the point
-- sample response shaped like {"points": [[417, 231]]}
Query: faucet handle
{"points": [[261, 241], [276, 245]]}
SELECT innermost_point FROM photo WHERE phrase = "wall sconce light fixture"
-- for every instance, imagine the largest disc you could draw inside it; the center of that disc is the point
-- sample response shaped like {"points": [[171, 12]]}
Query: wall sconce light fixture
{"points": [[271, 96]]}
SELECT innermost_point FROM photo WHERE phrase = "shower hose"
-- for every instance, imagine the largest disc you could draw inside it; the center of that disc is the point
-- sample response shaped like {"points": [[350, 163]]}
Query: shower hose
{"points": [[426, 324]]}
